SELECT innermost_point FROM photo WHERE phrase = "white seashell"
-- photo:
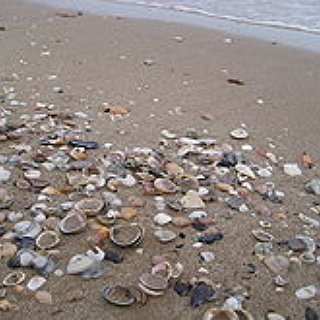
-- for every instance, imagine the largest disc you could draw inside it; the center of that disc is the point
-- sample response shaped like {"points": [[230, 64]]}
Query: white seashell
{"points": [[207, 256], [4, 174], [162, 219], [79, 264], [168, 134], [274, 316], [232, 304], [165, 235], [32, 174], [197, 215], [13, 279], [245, 170], [47, 240], [27, 228], [292, 169], [128, 181], [312, 222], [192, 200], [239, 133], [97, 255], [36, 283], [306, 293]]}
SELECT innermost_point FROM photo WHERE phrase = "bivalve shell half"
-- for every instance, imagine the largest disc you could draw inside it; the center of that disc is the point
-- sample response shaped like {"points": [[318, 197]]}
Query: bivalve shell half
{"points": [[90, 206], [126, 235], [164, 235], [154, 281], [47, 240], [27, 228], [79, 264], [118, 295], [239, 134], [72, 223], [14, 279], [165, 185], [262, 236], [220, 314]]}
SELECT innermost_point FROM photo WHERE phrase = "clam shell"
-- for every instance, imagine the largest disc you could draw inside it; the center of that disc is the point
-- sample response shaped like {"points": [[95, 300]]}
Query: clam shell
{"points": [[239, 133], [165, 185], [162, 219], [277, 263], [150, 292], [118, 295], [262, 236], [154, 281], [165, 235], [7, 250], [32, 174], [36, 283], [306, 293], [192, 201], [245, 170], [14, 278], [90, 206], [126, 235], [221, 314], [47, 240], [72, 223], [79, 264]]}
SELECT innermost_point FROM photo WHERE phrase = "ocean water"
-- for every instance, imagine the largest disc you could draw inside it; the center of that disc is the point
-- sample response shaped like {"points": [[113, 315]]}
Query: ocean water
{"points": [[293, 14]]}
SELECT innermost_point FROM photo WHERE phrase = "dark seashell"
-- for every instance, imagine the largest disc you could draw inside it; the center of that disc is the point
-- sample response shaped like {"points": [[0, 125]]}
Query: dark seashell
{"points": [[14, 262], [25, 243], [84, 144], [113, 256], [3, 230], [182, 288], [201, 293], [234, 202], [47, 269], [197, 225], [230, 159], [310, 314], [210, 238]]}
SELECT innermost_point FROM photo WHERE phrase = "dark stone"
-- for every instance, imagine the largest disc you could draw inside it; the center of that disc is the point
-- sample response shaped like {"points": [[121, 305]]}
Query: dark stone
{"points": [[84, 144], [182, 288], [230, 159], [310, 314], [297, 245], [25, 243], [201, 293], [113, 256], [13, 262], [197, 225], [3, 230], [210, 238]]}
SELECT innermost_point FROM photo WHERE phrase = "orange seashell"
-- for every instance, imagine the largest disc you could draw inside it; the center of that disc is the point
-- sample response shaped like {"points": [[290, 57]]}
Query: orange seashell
{"points": [[98, 236], [117, 110], [307, 160], [128, 213]]}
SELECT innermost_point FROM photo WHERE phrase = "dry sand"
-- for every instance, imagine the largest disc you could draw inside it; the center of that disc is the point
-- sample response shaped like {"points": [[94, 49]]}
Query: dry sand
{"points": [[100, 60]]}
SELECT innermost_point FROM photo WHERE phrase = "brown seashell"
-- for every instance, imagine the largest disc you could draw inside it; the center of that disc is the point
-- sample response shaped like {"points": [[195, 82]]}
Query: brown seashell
{"points": [[6, 305], [224, 187], [307, 160], [173, 169], [78, 154], [220, 314], [51, 223], [89, 206], [137, 202], [165, 185], [51, 191], [277, 263], [43, 297], [22, 184], [117, 110], [118, 295], [181, 222], [7, 250], [112, 185], [128, 213], [98, 236]]}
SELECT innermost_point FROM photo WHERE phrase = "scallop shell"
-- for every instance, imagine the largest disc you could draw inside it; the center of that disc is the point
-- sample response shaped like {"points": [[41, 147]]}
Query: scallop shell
{"points": [[126, 235], [13, 279], [47, 240], [165, 185], [221, 314], [72, 223], [118, 295], [90, 206]]}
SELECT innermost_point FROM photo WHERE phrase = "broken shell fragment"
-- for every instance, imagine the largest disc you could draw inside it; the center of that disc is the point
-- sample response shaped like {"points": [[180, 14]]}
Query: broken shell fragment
{"points": [[72, 223], [165, 185], [220, 314], [126, 235], [90, 206], [154, 281], [43, 297], [245, 170], [118, 295], [47, 240], [79, 264], [262, 236], [14, 279], [27, 228]]}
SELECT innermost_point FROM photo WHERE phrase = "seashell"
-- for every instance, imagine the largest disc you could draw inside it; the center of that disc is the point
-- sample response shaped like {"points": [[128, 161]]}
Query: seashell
{"points": [[36, 283], [181, 222], [79, 264], [313, 187], [196, 215], [14, 279], [94, 272], [162, 219], [150, 292], [262, 236], [165, 235], [126, 235], [274, 316], [6, 305], [4, 174], [83, 144], [306, 293], [27, 228], [221, 314], [51, 191], [32, 174], [168, 134], [128, 213], [118, 295], [72, 223], [7, 250], [244, 315], [22, 184], [309, 242], [78, 154], [239, 133], [154, 281], [43, 297], [245, 170], [165, 185], [117, 110], [173, 169], [202, 292], [310, 221], [98, 236], [292, 169], [192, 201], [308, 257], [90, 206], [47, 240], [277, 263], [281, 281]]}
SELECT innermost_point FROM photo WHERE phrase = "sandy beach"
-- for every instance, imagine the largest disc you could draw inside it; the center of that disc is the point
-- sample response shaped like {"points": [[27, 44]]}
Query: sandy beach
{"points": [[169, 77]]}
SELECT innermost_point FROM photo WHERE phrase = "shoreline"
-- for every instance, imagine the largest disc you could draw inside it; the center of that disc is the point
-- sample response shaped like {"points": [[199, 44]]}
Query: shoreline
{"points": [[299, 39], [61, 76]]}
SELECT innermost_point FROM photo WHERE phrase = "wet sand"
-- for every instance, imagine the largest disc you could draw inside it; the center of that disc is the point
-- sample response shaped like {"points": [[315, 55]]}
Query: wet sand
{"points": [[99, 60]]}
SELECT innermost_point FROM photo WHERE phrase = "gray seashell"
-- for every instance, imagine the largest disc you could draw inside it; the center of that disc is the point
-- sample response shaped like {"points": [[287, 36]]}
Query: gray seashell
{"points": [[306, 293], [126, 235], [27, 228], [262, 236], [162, 219], [36, 283], [79, 264], [26, 257], [72, 223], [308, 257], [165, 235], [94, 272], [118, 295], [313, 187], [310, 243], [90, 206]]}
